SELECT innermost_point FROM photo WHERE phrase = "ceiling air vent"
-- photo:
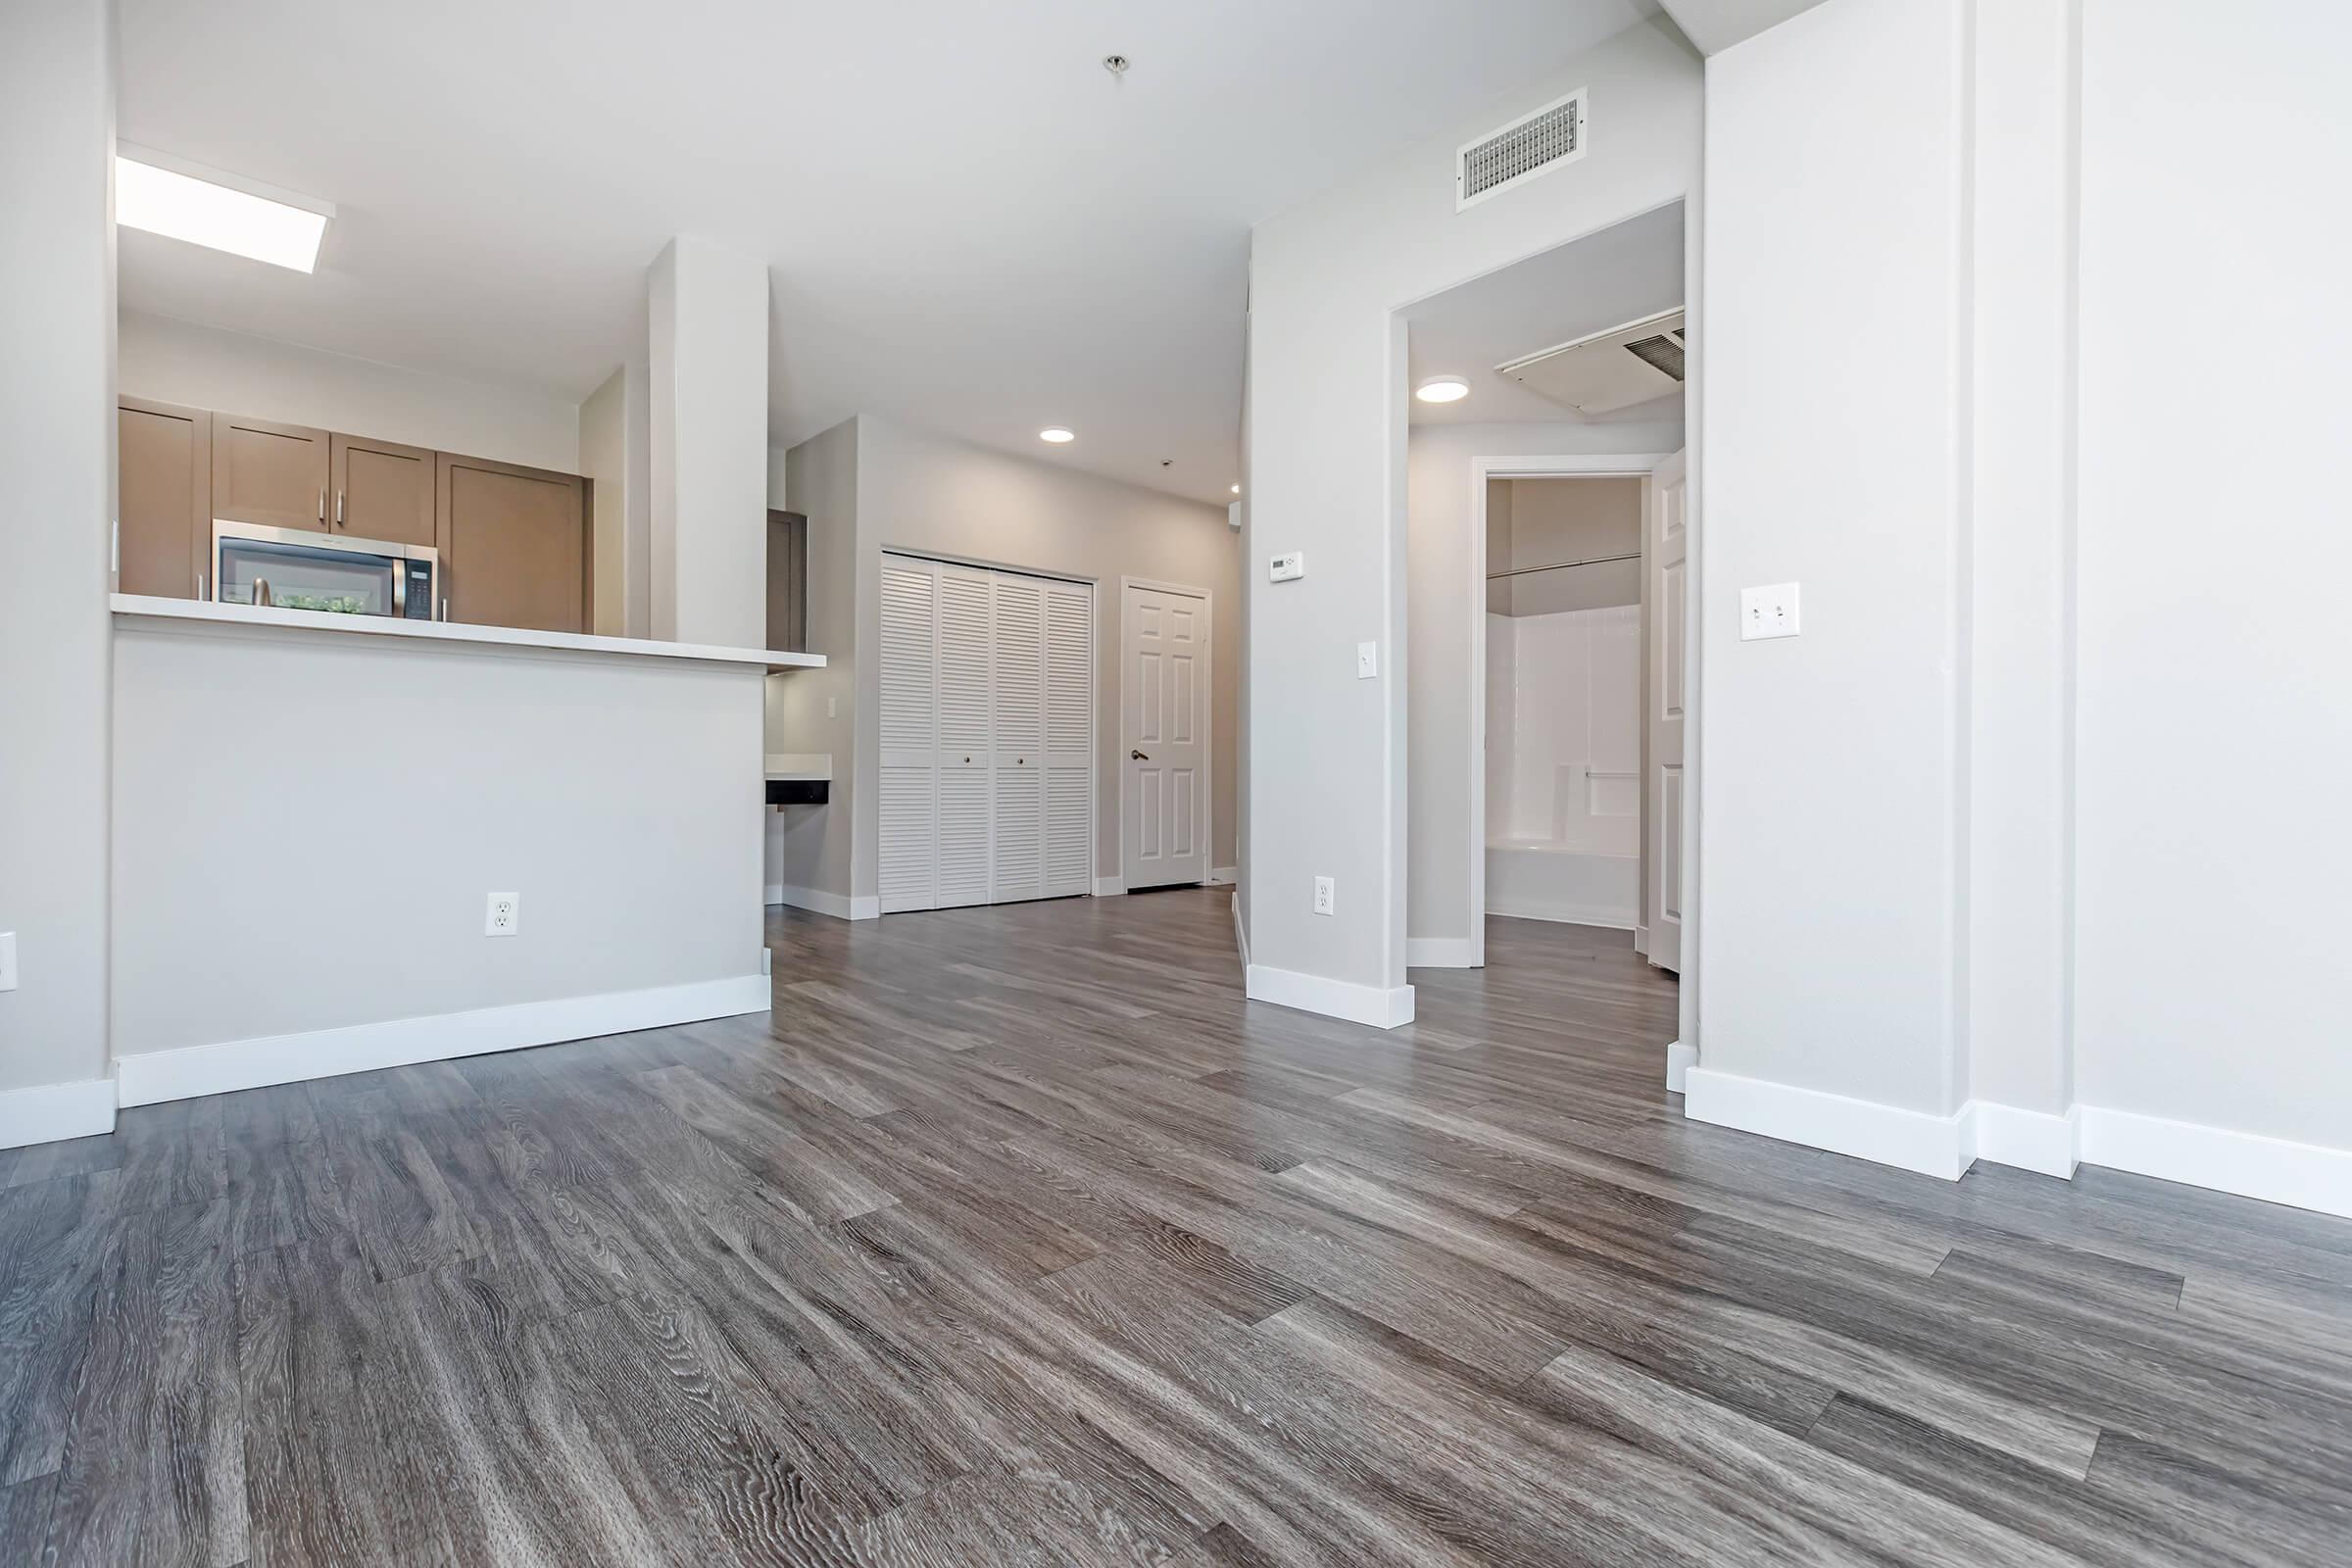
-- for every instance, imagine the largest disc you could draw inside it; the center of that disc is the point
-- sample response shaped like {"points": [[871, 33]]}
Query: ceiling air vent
{"points": [[1533, 144]]}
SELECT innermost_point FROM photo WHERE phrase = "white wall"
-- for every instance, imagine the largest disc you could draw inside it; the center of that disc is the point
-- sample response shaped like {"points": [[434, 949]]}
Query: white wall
{"points": [[604, 460], [57, 423], [2215, 733], [1831, 835], [1439, 628], [326, 863], [1327, 445], [236, 372], [1973, 857]]}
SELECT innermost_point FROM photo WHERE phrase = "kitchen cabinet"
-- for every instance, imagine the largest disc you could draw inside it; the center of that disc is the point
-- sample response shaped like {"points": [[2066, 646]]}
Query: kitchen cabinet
{"points": [[382, 490], [269, 473], [514, 544], [163, 500]]}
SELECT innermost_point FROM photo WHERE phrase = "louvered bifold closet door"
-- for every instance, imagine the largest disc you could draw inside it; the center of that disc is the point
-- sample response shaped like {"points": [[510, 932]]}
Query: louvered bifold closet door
{"points": [[1069, 738], [1020, 739], [910, 808], [966, 675]]}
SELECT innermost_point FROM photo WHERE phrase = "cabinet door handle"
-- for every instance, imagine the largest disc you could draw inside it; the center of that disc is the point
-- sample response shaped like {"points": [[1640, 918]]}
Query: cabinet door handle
{"points": [[338, 508], [323, 506]]}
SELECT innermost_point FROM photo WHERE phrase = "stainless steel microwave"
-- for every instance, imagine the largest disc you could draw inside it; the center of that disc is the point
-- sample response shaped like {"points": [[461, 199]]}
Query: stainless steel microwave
{"points": [[299, 569]]}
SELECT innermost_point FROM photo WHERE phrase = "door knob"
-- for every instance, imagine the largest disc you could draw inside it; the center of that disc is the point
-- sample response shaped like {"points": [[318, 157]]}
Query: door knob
{"points": [[1139, 756]]}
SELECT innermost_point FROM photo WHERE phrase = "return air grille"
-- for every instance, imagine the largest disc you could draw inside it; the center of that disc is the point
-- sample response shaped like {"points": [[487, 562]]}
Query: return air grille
{"points": [[1661, 351], [1533, 144]]}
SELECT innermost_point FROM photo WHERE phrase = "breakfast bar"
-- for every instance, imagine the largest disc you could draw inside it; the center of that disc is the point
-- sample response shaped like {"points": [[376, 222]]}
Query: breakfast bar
{"points": [[316, 816]]}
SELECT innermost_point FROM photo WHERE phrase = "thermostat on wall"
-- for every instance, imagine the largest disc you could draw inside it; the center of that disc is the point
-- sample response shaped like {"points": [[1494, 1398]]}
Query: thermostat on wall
{"points": [[1284, 568]]}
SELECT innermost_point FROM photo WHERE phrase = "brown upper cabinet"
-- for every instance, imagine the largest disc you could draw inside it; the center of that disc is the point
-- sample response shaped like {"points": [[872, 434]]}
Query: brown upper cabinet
{"points": [[382, 490], [514, 541], [513, 545], [269, 473], [164, 507]]}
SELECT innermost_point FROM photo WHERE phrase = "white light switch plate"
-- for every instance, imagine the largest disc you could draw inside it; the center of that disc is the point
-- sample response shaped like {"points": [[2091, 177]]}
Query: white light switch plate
{"points": [[1325, 895], [1286, 568], [1768, 611], [1367, 661], [8, 961]]}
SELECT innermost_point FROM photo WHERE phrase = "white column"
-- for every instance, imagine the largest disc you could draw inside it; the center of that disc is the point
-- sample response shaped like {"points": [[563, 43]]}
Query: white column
{"points": [[707, 310], [2020, 670], [57, 449]]}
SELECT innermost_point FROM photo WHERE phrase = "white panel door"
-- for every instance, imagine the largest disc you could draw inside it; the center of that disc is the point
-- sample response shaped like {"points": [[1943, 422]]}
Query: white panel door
{"points": [[1069, 738], [1018, 866], [1164, 737], [908, 714], [967, 678], [1668, 552]]}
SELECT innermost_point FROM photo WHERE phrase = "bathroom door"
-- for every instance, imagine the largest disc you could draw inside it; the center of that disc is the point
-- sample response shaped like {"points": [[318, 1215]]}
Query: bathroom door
{"points": [[1667, 554]]}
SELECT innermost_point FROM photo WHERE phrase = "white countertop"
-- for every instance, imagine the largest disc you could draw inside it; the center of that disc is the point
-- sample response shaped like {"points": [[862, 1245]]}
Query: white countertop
{"points": [[799, 767], [448, 631]]}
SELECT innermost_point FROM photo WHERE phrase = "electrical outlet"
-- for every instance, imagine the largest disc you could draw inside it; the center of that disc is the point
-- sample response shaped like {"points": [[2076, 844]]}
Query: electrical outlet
{"points": [[1769, 611], [8, 961], [1325, 895], [504, 916]]}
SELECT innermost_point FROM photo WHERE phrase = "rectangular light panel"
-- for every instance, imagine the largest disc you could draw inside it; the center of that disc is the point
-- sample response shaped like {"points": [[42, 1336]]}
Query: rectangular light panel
{"points": [[221, 211]]}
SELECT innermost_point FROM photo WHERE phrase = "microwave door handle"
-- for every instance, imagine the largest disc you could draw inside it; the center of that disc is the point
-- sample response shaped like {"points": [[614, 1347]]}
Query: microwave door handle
{"points": [[399, 576]]}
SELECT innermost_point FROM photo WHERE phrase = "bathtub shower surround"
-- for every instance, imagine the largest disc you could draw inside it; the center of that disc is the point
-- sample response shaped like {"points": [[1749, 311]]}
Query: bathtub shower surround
{"points": [[1563, 766]]}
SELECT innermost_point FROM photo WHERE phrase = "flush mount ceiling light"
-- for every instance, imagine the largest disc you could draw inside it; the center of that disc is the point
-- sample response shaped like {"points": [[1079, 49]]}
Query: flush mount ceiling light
{"points": [[173, 197], [1442, 389], [1056, 434], [1236, 489]]}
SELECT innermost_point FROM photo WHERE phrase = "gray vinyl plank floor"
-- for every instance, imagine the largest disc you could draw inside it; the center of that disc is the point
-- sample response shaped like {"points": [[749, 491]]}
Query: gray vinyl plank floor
{"points": [[1017, 1236]]}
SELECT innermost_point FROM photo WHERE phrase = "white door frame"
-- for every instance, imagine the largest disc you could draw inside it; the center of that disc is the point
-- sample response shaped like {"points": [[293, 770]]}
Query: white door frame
{"points": [[1208, 728], [1592, 465]]}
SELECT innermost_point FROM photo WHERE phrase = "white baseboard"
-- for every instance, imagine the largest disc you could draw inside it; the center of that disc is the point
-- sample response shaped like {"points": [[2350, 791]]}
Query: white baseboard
{"points": [[2030, 1140], [1563, 913], [1110, 887], [234, 1065], [1240, 934], [1439, 953], [1680, 1059], [1334, 999], [1224, 876], [817, 900], [1910, 1140], [1641, 939], [47, 1112], [2249, 1164], [2274, 1170]]}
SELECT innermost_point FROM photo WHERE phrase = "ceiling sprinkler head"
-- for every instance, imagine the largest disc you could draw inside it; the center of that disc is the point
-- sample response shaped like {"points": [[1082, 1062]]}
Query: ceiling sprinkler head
{"points": [[1117, 65]]}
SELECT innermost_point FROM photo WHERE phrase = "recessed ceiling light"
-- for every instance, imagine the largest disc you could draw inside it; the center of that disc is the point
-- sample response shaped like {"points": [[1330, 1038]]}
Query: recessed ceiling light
{"points": [[1236, 489], [1056, 434], [173, 197], [1442, 389]]}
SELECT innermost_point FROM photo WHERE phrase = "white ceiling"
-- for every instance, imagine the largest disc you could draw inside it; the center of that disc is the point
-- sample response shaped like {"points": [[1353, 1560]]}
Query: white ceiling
{"points": [[970, 224], [1619, 274]]}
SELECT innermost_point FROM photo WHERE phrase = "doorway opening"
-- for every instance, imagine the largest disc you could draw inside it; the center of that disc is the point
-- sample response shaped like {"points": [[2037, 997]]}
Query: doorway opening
{"points": [[1546, 826]]}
